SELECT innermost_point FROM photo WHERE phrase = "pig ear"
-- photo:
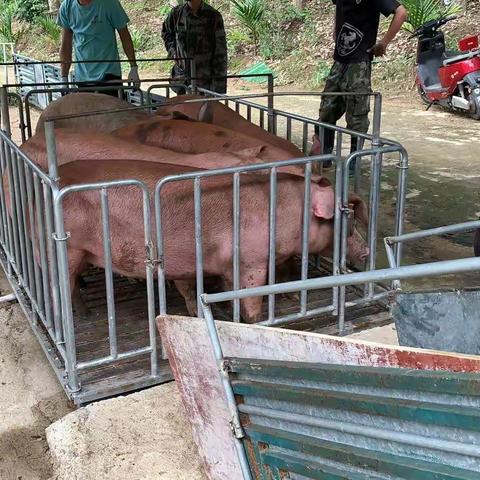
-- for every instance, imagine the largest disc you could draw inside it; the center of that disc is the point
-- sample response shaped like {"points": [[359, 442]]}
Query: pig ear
{"points": [[250, 152], [360, 209], [323, 202], [321, 180], [205, 114]]}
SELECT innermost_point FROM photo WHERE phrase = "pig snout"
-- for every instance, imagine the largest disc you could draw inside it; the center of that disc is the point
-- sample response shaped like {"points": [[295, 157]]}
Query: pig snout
{"points": [[358, 250]]}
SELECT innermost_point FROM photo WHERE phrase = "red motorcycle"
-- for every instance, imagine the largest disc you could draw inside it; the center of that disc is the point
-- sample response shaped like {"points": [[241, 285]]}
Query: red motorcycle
{"points": [[449, 79]]}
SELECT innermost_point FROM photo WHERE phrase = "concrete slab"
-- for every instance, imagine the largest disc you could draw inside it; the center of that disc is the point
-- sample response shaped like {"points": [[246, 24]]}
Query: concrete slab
{"points": [[143, 436]]}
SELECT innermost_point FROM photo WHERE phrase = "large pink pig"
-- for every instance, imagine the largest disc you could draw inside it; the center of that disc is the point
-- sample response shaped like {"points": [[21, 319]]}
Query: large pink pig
{"points": [[83, 145], [82, 214], [76, 103], [197, 137], [86, 145], [219, 114]]}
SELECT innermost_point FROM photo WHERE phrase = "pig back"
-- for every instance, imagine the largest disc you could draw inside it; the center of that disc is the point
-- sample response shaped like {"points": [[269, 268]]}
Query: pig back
{"points": [[77, 103]]}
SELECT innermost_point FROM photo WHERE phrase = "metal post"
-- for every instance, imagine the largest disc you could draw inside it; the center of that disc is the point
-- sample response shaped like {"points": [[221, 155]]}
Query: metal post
{"points": [[229, 394], [374, 192], [236, 243], [107, 255], [198, 241], [306, 232], [50, 191], [73, 381], [337, 241], [5, 113], [272, 240], [193, 77], [401, 200], [270, 103]]}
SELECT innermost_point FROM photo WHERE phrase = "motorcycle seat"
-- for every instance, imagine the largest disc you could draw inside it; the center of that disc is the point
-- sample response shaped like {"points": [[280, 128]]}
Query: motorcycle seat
{"points": [[460, 57]]}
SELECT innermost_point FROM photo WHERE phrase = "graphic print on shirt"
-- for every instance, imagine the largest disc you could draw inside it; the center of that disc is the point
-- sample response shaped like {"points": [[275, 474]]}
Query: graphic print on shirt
{"points": [[349, 39]]}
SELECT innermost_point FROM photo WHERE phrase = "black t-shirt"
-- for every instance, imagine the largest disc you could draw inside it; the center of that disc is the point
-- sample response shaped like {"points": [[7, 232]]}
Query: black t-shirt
{"points": [[356, 25]]}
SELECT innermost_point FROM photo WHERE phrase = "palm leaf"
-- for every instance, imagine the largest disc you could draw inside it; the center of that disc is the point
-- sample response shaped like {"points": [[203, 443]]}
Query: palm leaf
{"points": [[422, 11]]}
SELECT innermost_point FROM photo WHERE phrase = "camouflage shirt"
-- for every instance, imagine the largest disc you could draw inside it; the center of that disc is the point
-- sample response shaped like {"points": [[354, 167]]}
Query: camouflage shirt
{"points": [[201, 37]]}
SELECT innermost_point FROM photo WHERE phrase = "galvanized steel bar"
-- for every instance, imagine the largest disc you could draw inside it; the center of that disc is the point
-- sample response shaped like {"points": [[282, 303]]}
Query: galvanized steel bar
{"points": [[294, 317], [31, 215], [19, 217], [375, 189], [39, 210], [445, 267], [307, 203], [401, 201], [272, 230], [305, 138], [49, 224], [337, 226], [227, 387], [4, 111], [107, 255], [30, 276], [110, 359], [198, 241], [270, 104], [289, 129], [13, 192], [364, 430], [162, 287], [236, 243], [66, 303]]}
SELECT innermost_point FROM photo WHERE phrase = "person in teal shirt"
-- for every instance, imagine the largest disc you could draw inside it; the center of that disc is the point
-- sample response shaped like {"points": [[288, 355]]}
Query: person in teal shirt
{"points": [[89, 27]]}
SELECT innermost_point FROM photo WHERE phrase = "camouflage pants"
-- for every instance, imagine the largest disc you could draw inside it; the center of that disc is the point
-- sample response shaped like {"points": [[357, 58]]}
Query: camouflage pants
{"points": [[345, 77]]}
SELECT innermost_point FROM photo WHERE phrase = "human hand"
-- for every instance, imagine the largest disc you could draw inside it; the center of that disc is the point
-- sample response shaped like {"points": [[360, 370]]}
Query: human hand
{"points": [[134, 77], [379, 49]]}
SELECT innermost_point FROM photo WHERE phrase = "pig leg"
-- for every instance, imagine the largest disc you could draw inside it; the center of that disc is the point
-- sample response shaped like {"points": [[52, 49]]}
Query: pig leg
{"points": [[188, 291], [251, 308], [288, 272], [76, 265]]}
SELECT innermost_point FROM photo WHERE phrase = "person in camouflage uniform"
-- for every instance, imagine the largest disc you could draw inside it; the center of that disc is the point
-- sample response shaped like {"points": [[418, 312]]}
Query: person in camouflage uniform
{"points": [[195, 30], [356, 30]]}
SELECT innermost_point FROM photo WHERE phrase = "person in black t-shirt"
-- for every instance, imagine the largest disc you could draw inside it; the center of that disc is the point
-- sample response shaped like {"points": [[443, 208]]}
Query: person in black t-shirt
{"points": [[356, 30]]}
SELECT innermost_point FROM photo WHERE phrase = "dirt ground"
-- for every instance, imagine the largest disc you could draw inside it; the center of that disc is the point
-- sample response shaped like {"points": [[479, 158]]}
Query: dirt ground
{"points": [[442, 189]]}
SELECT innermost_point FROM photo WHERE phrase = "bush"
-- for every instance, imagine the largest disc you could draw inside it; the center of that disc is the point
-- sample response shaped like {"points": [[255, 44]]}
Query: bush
{"points": [[7, 13], [422, 11], [250, 13], [50, 29], [29, 10]]}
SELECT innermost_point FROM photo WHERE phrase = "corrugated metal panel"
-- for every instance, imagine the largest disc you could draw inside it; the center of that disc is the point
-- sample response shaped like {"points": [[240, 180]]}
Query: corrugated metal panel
{"points": [[318, 421]]}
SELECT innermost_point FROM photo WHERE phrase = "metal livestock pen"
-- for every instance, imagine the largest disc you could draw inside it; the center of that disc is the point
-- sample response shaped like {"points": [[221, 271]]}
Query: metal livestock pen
{"points": [[116, 348]]}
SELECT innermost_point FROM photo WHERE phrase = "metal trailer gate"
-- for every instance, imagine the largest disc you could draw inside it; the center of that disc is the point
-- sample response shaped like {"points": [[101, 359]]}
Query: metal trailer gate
{"points": [[117, 349], [291, 419]]}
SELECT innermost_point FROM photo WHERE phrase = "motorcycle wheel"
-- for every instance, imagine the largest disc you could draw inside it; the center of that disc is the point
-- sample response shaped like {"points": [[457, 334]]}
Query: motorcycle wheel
{"points": [[475, 106], [423, 95]]}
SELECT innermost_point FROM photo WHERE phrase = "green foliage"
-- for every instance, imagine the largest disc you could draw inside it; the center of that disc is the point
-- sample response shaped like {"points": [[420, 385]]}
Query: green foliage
{"points": [[236, 39], [29, 10], [250, 13], [7, 16], [320, 74], [142, 40], [422, 11], [164, 10], [51, 31]]}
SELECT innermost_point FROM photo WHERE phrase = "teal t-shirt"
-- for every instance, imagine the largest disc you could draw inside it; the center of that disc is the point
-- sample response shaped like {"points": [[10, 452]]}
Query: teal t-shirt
{"points": [[94, 37]]}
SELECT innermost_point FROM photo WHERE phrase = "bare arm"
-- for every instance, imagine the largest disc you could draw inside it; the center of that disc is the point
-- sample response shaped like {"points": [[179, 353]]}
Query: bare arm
{"points": [[396, 24], [127, 44], [66, 51], [380, 48]]}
